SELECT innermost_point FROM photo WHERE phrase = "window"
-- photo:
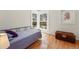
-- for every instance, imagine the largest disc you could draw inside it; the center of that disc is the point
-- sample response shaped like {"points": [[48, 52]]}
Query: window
{"points": [[40, 19]]}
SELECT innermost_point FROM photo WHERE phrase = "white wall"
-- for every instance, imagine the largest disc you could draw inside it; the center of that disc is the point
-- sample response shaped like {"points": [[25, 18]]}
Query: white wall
{"points": [[14, 18], [55, 23]]}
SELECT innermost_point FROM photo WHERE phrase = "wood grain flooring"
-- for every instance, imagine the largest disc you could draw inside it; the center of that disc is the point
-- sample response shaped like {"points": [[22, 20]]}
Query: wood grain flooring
{"points": [[50, 42]]}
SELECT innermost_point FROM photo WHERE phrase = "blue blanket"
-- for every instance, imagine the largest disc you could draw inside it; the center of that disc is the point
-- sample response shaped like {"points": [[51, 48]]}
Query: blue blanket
{"points": [[25, 38]]}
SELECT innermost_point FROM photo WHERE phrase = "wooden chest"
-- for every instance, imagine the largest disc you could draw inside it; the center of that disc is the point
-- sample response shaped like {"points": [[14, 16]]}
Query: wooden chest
{"points": [[65, 36]]}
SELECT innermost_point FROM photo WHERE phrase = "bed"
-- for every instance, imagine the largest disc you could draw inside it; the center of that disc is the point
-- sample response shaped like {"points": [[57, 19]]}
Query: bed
{"points": [[25, 38]]}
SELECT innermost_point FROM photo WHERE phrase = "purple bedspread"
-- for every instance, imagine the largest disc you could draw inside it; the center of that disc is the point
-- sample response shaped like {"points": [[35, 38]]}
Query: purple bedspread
{"points": [[25, 38]]}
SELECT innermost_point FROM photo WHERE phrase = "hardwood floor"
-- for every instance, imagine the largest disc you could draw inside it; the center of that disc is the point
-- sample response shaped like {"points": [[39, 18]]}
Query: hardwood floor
{"points": [[49, 42]]}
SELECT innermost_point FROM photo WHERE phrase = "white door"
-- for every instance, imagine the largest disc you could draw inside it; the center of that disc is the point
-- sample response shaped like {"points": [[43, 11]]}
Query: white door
{"points": [[40, 20], [34, 17]]}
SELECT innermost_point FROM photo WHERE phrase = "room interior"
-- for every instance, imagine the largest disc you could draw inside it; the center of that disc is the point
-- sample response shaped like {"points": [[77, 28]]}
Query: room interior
{"points": [[39, 29]]}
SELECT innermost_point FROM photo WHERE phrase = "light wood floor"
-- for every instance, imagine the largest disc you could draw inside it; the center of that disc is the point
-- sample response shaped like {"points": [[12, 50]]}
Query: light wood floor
{"points": [[49, 42]]}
